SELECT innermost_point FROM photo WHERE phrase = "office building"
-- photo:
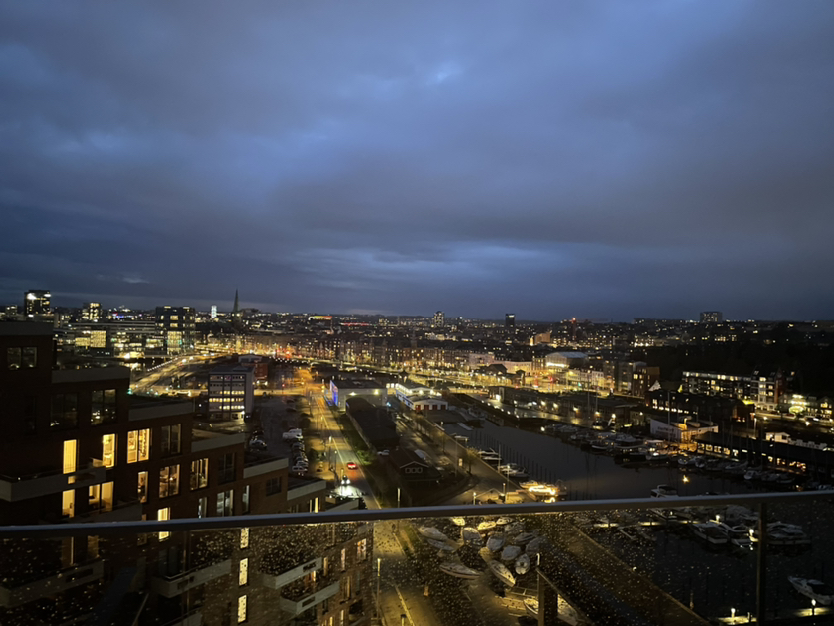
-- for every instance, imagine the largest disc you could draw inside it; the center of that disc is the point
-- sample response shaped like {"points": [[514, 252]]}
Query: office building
{"points": [[439, 320], [231, 392], [509, 320], [178, 326], [712, 316], [91, 312], [37, 302], [214, 311]]}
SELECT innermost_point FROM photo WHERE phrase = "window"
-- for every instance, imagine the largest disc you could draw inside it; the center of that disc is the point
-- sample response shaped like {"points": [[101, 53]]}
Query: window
{"points": [[344, 555], [163, 515], [199, 474], [245, 499], [142, 486], [138, 445], [170, 444], [202, 507], [30, 358], [225, 503], [70, 455], [101, 497], [104, 406], [273, 486], [13, 358], [361, 549], [241, 609], [244, 538], [169, 481], [69, 503], [226, 469], [108, 450], [64, 410], [243, 574]]}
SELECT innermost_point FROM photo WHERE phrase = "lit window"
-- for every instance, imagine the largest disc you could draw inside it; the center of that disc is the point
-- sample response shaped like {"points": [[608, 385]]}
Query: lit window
{"points": [[243, 576], [244, 538], [138, 445], [169, 481], [108, 450], [241, 609], [163, 515]]}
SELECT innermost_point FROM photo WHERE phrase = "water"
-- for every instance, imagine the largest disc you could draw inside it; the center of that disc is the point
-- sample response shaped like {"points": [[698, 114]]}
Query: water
{"points": [[586, 475]]}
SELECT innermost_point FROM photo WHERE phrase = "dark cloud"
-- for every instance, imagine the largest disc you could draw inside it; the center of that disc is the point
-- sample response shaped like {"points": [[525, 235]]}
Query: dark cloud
{"points": [[555, 159]]}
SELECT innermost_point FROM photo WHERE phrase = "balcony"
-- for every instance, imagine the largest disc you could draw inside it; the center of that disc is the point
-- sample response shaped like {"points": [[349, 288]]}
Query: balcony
{"points": [[678, 561], [295, 606], [121, 512], [277, 581], [17, 488], [49, 585], [176, 584]]}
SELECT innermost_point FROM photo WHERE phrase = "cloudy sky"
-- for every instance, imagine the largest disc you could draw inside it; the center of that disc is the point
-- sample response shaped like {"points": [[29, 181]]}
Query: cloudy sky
{"points": [[553, 159]]}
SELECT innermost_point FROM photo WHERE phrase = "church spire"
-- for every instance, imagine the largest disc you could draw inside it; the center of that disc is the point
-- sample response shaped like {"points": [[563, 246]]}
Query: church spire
{"points": [[236, 309]]}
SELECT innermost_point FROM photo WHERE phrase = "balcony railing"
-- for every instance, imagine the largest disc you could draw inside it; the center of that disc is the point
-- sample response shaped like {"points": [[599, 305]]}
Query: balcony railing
{"points": [[758, 558]]}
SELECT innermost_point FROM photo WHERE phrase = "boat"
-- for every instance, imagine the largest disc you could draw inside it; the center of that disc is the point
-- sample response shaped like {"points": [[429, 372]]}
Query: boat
{"points": [[487, 451], [510, 553], [781, 534], [522, 564], [735, 469], [528, 484], [544, 491], [459, 570], [535, 545], [495, 542], [503, 521], [458, 521], [509, 467], [814, 589], [738, 535], [514, 528], [523, 538], [531, 605], [430, 532], [752, 474], [518, 473], [664, 491], [471, 537], [486, 525], [502, 573], [445, 546], [711, 533]]}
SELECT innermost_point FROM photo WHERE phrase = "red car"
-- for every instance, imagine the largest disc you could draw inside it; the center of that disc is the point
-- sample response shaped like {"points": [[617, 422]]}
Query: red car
{"points": [[351, 465]]}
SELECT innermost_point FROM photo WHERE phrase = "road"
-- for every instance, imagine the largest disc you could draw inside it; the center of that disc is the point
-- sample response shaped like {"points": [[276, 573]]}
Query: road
{"points": [[399, 593]]}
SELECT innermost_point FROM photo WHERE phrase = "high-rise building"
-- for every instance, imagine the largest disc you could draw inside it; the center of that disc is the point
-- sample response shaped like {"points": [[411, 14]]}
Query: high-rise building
{"points": [[509, 320], [439, 320], [91, 311], [214, 311], [236, 312], [36, 302], [712, 316], [178, 325]]}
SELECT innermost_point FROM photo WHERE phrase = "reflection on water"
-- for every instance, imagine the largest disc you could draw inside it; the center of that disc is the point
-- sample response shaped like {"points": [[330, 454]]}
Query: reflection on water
{"points": [[588, 475]]}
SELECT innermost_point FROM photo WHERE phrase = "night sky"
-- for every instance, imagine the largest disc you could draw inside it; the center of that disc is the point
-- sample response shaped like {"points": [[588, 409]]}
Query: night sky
{"points": [[552, 159]]}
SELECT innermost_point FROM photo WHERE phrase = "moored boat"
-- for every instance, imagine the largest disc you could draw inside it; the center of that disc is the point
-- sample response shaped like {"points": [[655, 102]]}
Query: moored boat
{"points": [[471, 537], [531, 605], [522, 564], [430, 532], [510, 553], [458, 521], [495, 542], [459, 570], [502, 573]]}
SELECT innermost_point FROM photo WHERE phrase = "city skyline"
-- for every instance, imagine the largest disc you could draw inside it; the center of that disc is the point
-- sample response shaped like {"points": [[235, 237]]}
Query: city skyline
{"points": [[602, 162]]}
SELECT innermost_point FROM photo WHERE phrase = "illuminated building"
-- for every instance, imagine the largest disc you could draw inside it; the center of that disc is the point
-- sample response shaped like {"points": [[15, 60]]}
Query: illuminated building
{"points": [[214, 311], [509, 320], [231, 392], [36, 302], [91, 312], [78, 448], [178, 325], [712, 316], [439, 320]]}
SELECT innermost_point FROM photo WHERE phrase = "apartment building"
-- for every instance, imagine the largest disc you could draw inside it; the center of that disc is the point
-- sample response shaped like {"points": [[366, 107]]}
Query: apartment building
{"points": [[78, 448]]}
